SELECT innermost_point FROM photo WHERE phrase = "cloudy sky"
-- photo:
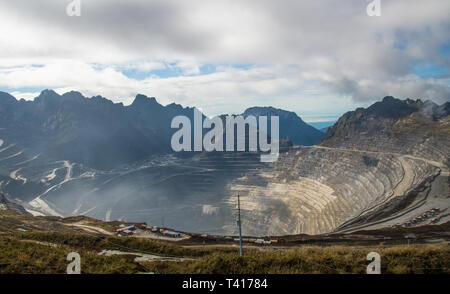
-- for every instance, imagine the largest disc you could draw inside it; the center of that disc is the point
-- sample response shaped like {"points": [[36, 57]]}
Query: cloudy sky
{"points": [[318, 58]]}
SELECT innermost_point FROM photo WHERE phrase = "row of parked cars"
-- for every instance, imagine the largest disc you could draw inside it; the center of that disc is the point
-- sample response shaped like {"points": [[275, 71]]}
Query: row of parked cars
{"points": [[164, 232], [130, 230], [429, 214], [126, 231]]}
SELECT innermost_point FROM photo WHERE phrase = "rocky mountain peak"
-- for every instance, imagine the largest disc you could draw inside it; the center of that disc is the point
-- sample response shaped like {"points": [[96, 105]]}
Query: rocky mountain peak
{"points": [[392, 124], [393, 108], [6, 98], [74, 95], [142, 100], [47, 94], [292, 127], [271, 111]]}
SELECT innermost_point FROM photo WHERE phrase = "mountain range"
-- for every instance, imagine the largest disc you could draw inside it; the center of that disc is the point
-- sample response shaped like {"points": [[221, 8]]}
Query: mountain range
{"points": [[102, 134], [401, 126], [384, 165]]}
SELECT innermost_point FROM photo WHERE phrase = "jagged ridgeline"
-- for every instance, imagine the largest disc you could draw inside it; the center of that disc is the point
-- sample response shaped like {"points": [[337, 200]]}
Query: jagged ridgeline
{"points": [[71, 155], [101, 134], [401, 126]]}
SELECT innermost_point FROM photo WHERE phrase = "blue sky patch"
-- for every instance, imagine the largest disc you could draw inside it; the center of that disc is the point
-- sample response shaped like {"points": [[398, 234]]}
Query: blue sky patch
{"points": [[429, 70]]}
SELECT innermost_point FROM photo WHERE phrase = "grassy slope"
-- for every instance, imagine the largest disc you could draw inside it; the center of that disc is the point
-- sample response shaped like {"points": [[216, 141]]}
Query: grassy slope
{"points": [[329, 260], [19, 256], [44, 246]]}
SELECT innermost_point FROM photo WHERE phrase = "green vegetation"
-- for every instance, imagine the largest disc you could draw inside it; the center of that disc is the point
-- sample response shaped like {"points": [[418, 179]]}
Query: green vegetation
{"points": [[18, 257], [417, 260], [44, 246], [417, 122], [95, 242], [45, 252]]}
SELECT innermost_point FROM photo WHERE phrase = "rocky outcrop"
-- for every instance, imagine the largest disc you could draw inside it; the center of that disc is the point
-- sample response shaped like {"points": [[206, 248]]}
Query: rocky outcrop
{"points": [[7, 204], [314, 190], [373, 164], [393, 125], [292, 127], [103, 135], [372, 169]]}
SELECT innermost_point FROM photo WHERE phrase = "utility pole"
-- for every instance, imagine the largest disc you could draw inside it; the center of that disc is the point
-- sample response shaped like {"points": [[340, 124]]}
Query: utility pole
{"points": [[239, 224]]}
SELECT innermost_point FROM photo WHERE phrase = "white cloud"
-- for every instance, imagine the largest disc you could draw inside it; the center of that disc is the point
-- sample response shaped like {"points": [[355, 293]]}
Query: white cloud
{"points": [[145, 66], [305, 54]]}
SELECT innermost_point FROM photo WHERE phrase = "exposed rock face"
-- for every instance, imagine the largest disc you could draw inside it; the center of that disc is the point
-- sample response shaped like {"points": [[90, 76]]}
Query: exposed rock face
{"points": [[292, 127], [400, 126], [309, 190], [95, 131], [374, 164], [103, 135], [314, 190], [378, 166], [8, 204]]}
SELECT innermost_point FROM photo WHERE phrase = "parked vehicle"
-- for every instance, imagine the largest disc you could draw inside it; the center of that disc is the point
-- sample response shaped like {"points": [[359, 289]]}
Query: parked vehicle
{"points": [[127, 233], [171, 234], [129, 228]]}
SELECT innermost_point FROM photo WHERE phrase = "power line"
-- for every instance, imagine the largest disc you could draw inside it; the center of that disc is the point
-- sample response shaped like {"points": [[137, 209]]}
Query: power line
{"points": [[239, 224]]}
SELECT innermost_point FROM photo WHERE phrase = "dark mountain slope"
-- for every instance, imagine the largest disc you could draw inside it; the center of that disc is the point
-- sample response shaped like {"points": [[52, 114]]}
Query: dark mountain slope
{"points": [[7, 204], [394, 125], [102, 134], [91, 131], [292, 127]]}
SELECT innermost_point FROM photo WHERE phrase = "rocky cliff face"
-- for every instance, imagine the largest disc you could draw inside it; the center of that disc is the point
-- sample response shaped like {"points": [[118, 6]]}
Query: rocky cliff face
{"points": [[7, 204], [94, 131], [101, 134], [381, 166], [314, 190], [292, 127], [400, 126]]}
